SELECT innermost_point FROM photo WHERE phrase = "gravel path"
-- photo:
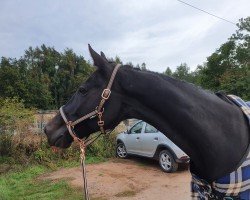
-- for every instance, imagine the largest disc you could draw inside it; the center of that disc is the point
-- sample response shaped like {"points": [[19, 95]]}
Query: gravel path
{"points": [[130, 179]]}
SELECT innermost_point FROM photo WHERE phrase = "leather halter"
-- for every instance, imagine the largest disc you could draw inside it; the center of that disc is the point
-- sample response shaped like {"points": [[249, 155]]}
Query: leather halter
{"points": [[99, 110]]}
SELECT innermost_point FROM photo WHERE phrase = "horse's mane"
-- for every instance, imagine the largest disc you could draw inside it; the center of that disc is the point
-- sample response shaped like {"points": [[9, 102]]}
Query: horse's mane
{"points": [[169, 78]]}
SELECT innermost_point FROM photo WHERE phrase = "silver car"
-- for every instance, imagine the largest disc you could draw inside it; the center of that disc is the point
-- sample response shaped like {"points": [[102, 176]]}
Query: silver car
{"points": [[145, 140]]}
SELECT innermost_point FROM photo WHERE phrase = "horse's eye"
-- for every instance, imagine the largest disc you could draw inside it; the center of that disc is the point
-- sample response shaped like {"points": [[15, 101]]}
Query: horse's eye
{"points": [[83, 90]]}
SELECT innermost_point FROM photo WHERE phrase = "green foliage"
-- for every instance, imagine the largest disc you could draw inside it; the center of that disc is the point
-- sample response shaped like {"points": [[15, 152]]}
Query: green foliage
{"points": [[237, 81], [183, 72], [34, 151], [15, 121], [143, 66], [14, 116], [5, 145], [228, 68], [168, 72], [24, 147], [43, 78], [104, 146]]}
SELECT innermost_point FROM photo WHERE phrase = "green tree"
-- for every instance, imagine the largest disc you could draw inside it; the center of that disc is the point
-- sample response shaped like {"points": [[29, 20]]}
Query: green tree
{"points": [[168, 72], [217, 64], [236, 81], [182, 72], [143, 66], [228, 68], [11, 83], [44, 78]]}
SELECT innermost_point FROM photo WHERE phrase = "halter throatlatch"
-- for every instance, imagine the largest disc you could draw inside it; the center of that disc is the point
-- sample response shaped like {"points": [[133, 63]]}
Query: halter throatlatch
{"points": [[99, 111]]}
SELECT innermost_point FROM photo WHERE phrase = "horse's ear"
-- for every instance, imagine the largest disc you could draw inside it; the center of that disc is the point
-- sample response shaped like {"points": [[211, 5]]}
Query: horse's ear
{"points": [[103, 55], [99, 61]]}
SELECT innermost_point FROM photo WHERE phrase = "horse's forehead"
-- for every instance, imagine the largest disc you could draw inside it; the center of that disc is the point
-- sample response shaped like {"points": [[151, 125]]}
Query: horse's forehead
{"points": [[94, 79], [91, 78]]}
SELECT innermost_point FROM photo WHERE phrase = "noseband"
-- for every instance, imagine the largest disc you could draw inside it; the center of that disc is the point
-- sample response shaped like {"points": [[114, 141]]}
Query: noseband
{"points": [[99, 110]]}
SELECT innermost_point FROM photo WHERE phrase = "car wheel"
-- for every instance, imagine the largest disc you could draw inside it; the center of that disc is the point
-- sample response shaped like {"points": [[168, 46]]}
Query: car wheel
{"points": [[167, 162], [121, 151]]}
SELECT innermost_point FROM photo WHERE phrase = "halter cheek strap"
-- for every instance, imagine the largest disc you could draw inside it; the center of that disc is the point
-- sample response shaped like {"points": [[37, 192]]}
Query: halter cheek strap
{"points": [[99, 110]]}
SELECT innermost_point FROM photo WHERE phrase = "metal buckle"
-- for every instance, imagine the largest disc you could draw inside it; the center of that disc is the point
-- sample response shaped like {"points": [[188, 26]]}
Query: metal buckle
{"points": [[106, 92], [100, 123]]}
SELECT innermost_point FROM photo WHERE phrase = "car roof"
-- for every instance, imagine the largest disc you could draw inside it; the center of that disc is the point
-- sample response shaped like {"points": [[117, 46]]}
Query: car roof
{"points": [[248, 103]]}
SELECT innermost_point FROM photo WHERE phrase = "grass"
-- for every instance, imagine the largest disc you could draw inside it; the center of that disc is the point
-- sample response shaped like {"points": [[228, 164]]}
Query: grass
{"points": [[25, 185], [73, 163]]}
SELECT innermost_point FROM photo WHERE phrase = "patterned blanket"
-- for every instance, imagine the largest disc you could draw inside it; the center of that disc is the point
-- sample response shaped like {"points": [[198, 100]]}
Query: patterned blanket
{"points": [[235, 185]]}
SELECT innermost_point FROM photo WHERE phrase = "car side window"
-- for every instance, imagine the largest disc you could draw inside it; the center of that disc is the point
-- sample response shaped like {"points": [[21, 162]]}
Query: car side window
{"points": [[150, 129], [136, 128]]}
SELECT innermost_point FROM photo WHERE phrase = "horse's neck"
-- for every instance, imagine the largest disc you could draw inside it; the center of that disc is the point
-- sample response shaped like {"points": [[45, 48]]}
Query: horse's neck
{"points": [[204, 126]]}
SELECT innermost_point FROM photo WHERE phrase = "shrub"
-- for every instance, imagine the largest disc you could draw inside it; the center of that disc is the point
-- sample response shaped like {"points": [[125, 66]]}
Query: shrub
{"points": [[14, 117], [19, 145], [5, 145], [104, 146], [14, 122], [33, 149]]}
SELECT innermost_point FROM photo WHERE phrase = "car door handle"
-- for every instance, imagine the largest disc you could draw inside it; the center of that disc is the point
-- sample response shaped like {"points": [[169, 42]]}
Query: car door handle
{"points": [[156, 138], [138, 138]]}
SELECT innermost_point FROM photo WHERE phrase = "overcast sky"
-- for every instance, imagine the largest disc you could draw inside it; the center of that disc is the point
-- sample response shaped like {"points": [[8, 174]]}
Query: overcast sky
{"points": [[161, 33]]}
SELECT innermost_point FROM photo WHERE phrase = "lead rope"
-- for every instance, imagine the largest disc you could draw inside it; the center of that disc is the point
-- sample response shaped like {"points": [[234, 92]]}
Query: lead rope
{"points": [[84, 176], [83, 144]]}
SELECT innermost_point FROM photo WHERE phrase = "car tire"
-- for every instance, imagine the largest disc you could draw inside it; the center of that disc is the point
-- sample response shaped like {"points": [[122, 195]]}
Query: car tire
{"points": [[121, 151], [167, 161]]}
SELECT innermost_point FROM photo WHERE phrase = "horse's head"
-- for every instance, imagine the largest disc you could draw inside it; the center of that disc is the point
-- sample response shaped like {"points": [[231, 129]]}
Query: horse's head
{"points": [[84, 101]]}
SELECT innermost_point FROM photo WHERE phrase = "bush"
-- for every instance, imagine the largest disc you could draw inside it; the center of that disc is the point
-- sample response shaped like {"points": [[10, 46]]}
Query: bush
{"points": [[104, 146], [14, 117], [19, 145], [5, 145], [33, 149]]}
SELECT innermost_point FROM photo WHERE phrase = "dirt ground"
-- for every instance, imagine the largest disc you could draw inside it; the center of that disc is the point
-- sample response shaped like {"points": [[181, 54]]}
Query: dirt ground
{"points": [[129, 179]]}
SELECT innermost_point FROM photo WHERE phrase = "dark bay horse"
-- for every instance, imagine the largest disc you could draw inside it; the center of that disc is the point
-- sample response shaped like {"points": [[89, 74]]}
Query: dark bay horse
{"points": [[212, 131]]}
